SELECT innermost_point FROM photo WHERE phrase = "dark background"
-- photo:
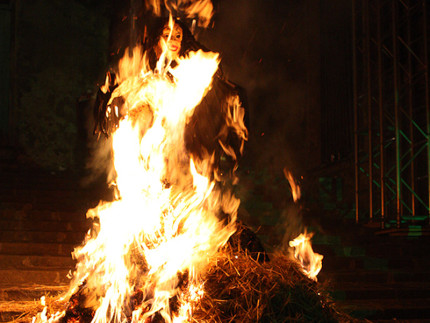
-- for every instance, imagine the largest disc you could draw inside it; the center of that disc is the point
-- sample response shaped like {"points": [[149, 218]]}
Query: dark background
{"points": [[293, 58]]}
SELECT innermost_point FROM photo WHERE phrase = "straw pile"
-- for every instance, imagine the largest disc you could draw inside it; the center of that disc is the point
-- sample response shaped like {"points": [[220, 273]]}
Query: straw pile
{"points": [[24, 311], [241, 286]]}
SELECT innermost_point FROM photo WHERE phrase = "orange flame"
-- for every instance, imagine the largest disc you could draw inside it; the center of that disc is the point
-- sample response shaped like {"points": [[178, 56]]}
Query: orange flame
{"points": [[164, 219], [174, 231], [295, 189], [311, 262], [200, 9]]}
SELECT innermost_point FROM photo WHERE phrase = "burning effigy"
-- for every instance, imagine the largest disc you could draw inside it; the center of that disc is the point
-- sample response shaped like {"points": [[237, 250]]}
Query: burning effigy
{"points": [[169, 246]]}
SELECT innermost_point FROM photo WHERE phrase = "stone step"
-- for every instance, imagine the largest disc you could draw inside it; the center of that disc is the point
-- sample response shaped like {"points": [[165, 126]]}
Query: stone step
{"points": [[374, 276], [36, 249], [387, 309], [30, 293], [36, 202], [42, 236], [14, 277], [401, 248], [363, 290], [30, 180], [338, 263], [28, 213], [17, 182], [80, 200], [36, 262], [56, 226], [59, 201], [78, 205], [39, 191], [49, 191], [409, 320], [375, 251], [339, 250]]}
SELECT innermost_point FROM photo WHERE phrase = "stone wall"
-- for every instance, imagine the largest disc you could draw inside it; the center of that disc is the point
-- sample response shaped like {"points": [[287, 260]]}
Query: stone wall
{"points": [[59, 54]]}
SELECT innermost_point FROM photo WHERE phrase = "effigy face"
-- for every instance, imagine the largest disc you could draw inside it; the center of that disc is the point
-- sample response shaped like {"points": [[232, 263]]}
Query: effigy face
{"points": [[170, 41]]}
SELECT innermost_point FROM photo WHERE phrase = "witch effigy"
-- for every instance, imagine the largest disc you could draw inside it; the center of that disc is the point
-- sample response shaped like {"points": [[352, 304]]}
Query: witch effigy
{"points": [[169, 247], [185, 147], [207, 131]]}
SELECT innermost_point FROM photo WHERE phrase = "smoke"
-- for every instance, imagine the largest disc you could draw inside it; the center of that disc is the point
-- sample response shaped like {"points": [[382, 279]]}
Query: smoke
{"points": [[292, 225], [99, 163], [267, 48]]}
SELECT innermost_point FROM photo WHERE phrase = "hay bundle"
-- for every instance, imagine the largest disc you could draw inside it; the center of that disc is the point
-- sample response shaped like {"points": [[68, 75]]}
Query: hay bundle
{"points": [[238, 288]]}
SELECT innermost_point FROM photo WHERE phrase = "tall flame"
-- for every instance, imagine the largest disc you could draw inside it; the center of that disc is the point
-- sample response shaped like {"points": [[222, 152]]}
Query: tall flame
{"points": [[163, 223], [295, 189]]}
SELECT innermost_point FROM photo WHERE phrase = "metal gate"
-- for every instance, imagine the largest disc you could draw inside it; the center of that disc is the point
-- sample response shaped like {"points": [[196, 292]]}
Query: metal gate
{"points": [[391, 112]]}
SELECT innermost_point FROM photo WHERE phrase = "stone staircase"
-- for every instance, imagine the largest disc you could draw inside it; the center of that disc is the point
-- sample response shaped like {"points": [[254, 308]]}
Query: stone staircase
{"points": [[380, 278], [42, 219], [376, 278]]}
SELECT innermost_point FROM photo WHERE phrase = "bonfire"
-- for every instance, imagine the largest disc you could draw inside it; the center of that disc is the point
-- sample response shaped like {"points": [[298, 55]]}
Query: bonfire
{"points": [[169, 247]]}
